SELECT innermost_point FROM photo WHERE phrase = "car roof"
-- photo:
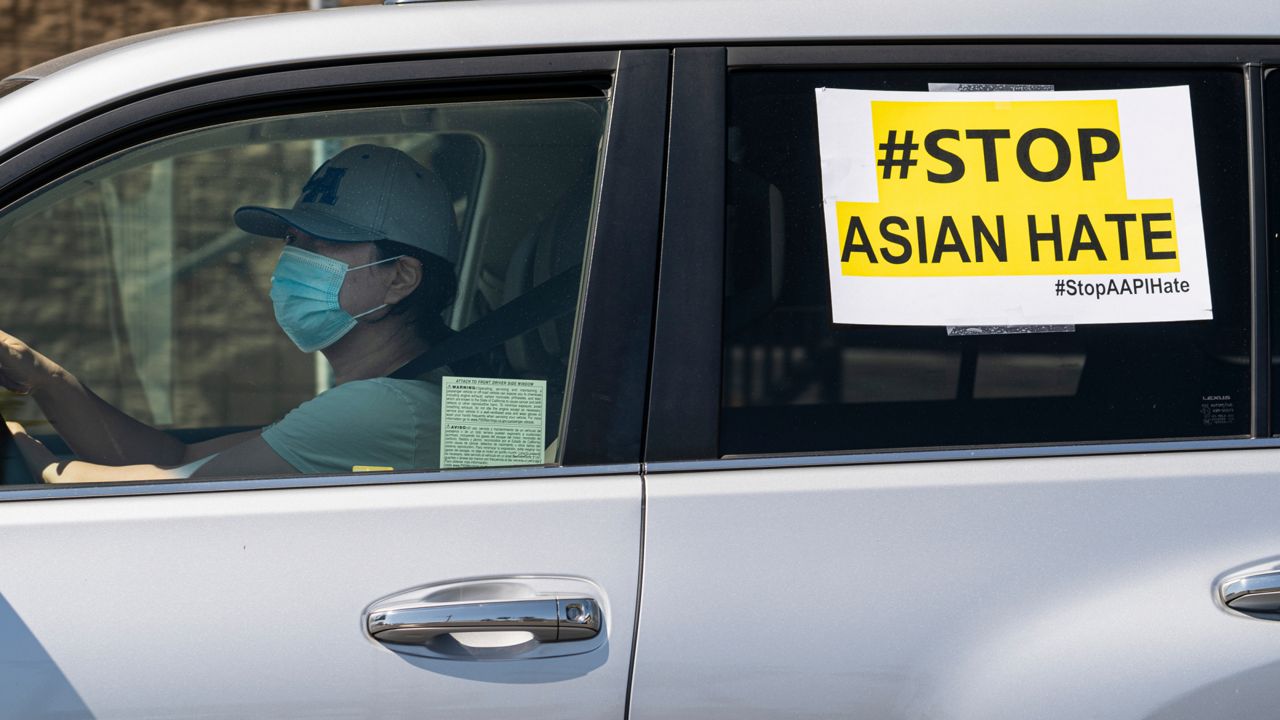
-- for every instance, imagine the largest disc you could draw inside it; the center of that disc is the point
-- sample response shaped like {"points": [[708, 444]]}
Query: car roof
{"points": [[99, 76]]}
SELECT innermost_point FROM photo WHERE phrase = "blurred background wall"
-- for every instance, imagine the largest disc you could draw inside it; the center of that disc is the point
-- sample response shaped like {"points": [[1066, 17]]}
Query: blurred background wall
{"points": [[32, 31]]}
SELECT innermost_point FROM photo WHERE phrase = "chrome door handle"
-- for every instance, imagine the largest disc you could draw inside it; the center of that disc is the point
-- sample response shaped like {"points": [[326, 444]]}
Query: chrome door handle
{"points": [[1253, 594], [547, 619]]}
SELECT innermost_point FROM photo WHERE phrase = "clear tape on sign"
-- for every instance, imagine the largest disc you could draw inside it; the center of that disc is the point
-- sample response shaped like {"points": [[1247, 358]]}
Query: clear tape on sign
{"points": [[966, 330]]}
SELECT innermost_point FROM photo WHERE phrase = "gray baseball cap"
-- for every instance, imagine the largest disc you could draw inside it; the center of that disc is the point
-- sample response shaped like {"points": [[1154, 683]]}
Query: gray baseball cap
{"points": [[363, 194]]}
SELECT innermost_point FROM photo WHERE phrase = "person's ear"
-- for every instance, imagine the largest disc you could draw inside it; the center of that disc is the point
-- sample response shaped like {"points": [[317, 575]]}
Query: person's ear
{"points": [[407, 277]]}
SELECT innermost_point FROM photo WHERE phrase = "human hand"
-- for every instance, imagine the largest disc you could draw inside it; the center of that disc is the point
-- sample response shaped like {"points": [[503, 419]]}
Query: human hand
{"points": [[22, 369]]}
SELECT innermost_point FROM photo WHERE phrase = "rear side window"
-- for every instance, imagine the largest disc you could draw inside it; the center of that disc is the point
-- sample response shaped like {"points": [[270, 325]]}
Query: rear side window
{"points": [[800, 376]]}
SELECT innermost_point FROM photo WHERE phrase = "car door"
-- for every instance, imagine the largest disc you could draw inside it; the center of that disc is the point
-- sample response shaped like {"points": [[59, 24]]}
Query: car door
{"points": [[861, 520], [374, 593]]}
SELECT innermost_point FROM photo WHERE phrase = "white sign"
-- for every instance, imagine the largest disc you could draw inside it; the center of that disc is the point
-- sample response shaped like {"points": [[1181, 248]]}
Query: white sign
{"points": [[1012, 208]]}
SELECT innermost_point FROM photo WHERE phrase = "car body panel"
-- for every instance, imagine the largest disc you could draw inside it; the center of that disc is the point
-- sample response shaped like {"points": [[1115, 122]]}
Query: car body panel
{"points": [[1061, 587], [251, 603]]}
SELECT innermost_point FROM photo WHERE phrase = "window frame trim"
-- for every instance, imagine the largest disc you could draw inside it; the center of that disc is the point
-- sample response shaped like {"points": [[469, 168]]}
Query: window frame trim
{"points": [[617, 303], [895, 457], [1028, 55], [684, 391], [1260, 272], [23, 493]]}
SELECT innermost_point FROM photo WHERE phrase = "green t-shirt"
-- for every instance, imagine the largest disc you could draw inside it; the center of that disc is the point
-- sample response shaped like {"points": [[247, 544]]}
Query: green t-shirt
{"points": [[377, 423]]}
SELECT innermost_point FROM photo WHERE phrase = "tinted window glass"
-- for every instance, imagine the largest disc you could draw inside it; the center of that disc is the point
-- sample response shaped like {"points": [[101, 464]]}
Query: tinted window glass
{"points": [[796, 382]]}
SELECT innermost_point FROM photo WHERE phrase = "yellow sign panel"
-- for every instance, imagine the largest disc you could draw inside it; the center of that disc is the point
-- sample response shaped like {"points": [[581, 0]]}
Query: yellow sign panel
{"points": [[1003, 188]]}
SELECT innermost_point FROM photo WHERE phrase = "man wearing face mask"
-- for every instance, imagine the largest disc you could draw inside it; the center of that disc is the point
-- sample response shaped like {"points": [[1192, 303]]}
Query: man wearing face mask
{"points": [[362, 278]]}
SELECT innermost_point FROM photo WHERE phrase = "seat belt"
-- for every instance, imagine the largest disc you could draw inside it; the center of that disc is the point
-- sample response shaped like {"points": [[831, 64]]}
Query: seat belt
{"points": [[549, 300]]}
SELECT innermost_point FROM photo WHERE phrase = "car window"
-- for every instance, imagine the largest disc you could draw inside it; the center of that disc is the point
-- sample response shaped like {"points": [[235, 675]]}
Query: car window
{"points": [[138, 276], [802, 375]]}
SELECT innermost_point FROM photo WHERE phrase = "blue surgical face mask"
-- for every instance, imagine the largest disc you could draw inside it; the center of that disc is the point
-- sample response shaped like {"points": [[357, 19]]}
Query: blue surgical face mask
{"points": [[304, 291]]}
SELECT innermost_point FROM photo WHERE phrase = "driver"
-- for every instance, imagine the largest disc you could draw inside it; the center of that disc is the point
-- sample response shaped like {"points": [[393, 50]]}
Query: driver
{"points": [[362, 278]]}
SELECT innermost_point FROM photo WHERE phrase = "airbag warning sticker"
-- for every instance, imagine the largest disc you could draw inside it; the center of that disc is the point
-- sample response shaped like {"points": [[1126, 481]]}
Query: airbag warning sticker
{"points": [[486, 422], [1012, 208]]}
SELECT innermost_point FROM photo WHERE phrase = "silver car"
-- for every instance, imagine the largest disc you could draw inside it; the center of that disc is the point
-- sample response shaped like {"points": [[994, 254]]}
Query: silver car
{"points": [[678, 468]]}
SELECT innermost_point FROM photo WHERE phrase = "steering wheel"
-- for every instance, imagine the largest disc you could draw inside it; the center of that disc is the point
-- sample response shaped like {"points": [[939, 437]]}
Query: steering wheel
{"points": [[13, 469]]}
